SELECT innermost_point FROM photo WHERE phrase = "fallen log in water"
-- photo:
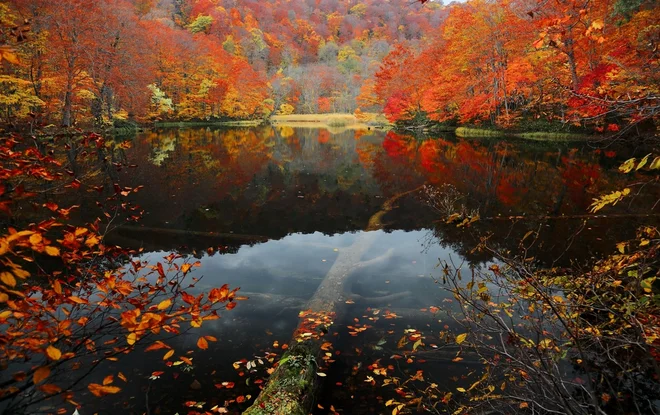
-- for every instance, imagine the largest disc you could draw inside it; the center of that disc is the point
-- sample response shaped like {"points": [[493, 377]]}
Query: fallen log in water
{"points": [[291, 388]]}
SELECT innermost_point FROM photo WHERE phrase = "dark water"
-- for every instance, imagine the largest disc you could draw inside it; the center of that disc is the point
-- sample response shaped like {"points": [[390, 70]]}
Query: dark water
{"points": [[279, 204]]}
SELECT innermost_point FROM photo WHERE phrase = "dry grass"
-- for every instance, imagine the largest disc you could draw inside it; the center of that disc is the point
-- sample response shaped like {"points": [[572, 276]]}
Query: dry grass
{"points": [[328, 119], [336, 122]]}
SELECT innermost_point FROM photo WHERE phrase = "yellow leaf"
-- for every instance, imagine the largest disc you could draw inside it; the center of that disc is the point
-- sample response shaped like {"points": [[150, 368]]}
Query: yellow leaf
{"points": [[643, 162], [40, 375], [545, 343], [461, 338], [461, 389], [91, 241], [53, 353], [621, 246], [18, 235], [321, 374], [655, 164], [20, 272], [597, 24], [168, 354], [165, 304], [8, 279], [52, 251], [131, 339], [627, 166], [36, 239]]}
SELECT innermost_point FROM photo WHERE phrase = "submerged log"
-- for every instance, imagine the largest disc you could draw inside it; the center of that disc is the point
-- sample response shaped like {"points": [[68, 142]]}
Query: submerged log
{"points": [[291, 389]]}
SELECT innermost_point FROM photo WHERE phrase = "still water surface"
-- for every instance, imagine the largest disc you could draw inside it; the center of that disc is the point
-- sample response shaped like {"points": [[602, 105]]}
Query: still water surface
{"points": [[279, 204]]}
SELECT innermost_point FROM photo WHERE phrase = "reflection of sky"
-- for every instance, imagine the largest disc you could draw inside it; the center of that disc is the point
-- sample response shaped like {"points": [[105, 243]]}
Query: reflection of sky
{"points": [[295, 264]]}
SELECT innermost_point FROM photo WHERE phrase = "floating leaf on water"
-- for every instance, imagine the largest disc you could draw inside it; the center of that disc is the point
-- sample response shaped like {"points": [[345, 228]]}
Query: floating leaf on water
{"points": [[461, 338]]}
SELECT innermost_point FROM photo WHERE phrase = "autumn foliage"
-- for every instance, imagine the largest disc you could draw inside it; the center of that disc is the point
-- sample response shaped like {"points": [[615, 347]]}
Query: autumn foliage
{"points": [[68, 301], [512, 63]]}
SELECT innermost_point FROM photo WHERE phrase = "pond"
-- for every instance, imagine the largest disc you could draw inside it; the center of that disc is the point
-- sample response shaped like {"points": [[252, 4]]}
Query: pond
{"points": [[270, 210]]}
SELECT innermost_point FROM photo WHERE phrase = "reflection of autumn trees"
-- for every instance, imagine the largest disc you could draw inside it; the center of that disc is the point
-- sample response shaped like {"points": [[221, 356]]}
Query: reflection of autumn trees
{"points": [[260, 181], [497, 177], [503, 180], [273, 181], [276, 180]]}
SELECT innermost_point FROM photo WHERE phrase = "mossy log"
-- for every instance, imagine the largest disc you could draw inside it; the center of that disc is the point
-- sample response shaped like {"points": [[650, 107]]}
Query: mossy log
{"points": [[292, 387]]}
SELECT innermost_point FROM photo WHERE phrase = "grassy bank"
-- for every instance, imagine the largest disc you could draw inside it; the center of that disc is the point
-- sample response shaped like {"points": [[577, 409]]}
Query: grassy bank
{"points": [[187, 124], [467, 132]]}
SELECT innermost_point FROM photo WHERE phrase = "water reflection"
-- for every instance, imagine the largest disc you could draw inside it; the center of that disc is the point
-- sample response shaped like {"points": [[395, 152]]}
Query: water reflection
{"points": [[278, 205], [248, 185]]}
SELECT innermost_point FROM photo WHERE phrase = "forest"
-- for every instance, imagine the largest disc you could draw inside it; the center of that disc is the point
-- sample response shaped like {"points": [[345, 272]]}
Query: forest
{"points": [[511, 64], [329, 207]]}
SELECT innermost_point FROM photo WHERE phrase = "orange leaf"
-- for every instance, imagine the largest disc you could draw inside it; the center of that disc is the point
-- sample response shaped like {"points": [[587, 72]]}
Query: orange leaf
{"points": [[538, 44], [8, 279], [185, 268], [49, 389], [159, 267], [101, 390], [9, 54], [165, 304], [53, 353], [168, 354], [78, 300], [219, 294], [57, 287], [108, 380], [202, 343], [122, 377], [211, 338], [156, 346], [40, 375]]}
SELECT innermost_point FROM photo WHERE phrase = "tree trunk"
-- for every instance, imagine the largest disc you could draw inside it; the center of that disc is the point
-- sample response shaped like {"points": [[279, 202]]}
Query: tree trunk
{"points": [[67, 110], [570, 54]]}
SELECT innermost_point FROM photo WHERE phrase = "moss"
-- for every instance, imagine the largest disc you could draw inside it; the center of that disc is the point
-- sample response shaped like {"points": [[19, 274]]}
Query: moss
{"points": [[466, 132], [291, 387], [551, 136]]}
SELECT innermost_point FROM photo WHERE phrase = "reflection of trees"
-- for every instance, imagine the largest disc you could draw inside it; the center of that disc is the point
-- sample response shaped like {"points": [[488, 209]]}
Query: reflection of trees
{"points": [[502, 180], [264, 181], [272, 181], [496, 177]]}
